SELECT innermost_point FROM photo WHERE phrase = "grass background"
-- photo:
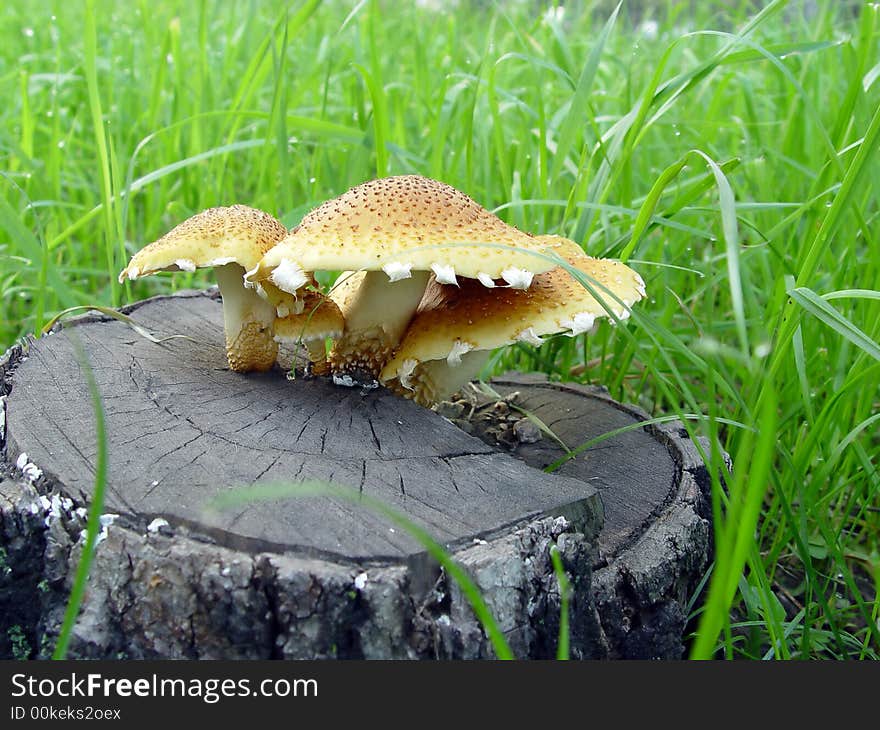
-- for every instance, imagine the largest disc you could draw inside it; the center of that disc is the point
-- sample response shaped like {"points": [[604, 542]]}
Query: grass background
{"points": [[728, 150]]}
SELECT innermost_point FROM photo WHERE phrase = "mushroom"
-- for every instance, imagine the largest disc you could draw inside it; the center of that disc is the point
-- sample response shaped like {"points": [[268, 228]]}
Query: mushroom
{"points": [[397, 231], [319, 319], [452, 335], [231, 240]]}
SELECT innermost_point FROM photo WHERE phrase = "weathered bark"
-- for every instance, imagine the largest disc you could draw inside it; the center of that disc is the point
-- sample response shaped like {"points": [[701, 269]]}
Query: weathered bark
{"points": [[320, 576]]}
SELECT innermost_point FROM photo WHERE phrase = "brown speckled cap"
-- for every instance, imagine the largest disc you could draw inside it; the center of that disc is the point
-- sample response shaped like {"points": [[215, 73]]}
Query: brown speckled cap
{"points": [[235, 234], [454, 321], [401, 224], [230, 240]]}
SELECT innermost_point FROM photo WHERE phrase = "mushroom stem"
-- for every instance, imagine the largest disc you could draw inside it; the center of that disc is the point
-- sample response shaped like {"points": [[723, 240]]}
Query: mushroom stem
{"points": [[375, 319], [248, 321], [435, 380]]}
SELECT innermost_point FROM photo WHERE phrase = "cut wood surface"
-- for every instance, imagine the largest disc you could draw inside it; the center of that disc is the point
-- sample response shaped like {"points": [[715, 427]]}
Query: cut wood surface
{"points": [[323, 576], [634, 471]]}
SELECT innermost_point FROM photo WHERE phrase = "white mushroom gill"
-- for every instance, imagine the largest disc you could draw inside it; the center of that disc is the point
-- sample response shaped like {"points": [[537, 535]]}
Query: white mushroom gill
{"points": [[185, 265], [530, 337]]}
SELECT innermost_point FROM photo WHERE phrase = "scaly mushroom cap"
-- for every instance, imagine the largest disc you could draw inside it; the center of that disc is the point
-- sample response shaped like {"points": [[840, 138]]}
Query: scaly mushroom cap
{"points": [[458, 326], [232, 240], [398, 224], [406, 227], [237, 234]]}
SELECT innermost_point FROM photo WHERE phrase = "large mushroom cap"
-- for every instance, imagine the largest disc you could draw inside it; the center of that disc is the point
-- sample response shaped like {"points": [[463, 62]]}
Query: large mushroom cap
{"points": [[453, 322], [402, 224], [217, 236]]}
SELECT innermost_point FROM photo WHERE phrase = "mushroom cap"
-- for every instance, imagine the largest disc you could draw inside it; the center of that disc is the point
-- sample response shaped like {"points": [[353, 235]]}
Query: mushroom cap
{"points": [[405, 223], [235, 234], [319, 319], [452, 321]]}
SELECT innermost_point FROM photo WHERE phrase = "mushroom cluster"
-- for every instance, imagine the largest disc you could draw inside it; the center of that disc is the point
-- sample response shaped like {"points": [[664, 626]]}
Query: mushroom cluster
{"points": [[431, 282], [255, 319]]}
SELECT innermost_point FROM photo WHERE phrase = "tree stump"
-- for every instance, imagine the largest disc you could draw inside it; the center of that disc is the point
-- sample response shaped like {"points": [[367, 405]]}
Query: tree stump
{"points": [[323, 576]]}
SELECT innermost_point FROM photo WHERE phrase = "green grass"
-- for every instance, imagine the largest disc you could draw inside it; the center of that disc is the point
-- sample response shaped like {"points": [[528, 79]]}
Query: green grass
{"points": [[729, 152]]}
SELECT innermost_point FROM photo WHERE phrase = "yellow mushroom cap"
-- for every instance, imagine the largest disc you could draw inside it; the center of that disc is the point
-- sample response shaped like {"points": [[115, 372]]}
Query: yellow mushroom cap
{"points": [[453, 321], [217, 236], [398, 224], [231, 240], [319, 319]]}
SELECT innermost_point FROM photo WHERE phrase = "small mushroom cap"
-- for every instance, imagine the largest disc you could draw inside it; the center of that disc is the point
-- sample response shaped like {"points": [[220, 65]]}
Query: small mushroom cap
{"points": [[217, 236], [400, 224], [319, 319], [453, 321]]}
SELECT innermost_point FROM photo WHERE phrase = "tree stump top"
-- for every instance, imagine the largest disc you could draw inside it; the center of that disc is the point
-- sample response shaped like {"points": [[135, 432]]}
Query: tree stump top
{"points": [[321, 576], [635, 471], [182, 429]]}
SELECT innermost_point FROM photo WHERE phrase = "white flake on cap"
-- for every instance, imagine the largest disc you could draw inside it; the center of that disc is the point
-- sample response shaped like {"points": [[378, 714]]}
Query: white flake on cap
{"points": [[222, 261], [445, 274], [517, 278], [459, 348], [289, 276], [133, 273], [582, 322], [486, 280], [397, 270], [530, 336], [185, 265]]}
